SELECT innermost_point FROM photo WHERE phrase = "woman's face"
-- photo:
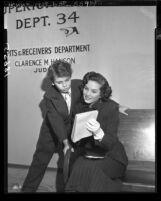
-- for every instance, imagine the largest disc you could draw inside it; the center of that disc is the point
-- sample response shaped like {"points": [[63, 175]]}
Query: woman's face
{"points": [[91, 91]]}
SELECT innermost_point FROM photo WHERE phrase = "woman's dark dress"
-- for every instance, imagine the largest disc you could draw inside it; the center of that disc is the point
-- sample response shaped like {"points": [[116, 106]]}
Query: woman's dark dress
{"points": [[99, 175]]}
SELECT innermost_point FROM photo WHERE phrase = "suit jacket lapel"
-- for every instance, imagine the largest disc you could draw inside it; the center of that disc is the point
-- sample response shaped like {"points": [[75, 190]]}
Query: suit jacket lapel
{"points": [[59, 102]]}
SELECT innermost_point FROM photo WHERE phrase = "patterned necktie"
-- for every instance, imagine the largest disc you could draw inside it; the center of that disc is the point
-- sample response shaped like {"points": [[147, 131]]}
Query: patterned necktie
{"points": [[67, 97]]}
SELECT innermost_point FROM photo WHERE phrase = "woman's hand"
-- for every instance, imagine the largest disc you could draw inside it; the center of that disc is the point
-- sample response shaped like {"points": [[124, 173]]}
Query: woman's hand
{"points": [[94, 127]]}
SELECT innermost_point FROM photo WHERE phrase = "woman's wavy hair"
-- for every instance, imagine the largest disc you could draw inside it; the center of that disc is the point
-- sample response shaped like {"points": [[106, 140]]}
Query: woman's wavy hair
{"points": [[105, 89]]}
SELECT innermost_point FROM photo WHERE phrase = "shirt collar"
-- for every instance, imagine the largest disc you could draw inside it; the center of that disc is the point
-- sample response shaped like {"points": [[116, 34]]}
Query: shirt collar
{"points": [[68, 92]]}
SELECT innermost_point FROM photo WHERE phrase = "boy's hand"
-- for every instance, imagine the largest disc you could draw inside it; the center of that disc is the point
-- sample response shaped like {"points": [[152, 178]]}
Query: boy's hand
{"points": [[122, 109], [66, 147]]}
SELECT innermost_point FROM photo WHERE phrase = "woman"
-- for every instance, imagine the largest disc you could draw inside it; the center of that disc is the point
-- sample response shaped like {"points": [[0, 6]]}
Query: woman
{"points": [[100, 159]]}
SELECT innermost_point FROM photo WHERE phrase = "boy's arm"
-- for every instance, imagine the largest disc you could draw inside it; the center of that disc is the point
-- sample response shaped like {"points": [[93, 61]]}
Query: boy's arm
{"points": [[56, 121], [122, 109]]}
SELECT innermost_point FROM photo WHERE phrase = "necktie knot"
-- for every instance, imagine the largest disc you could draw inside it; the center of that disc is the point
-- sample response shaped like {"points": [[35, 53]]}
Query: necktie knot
{"points": [[67, 93]]}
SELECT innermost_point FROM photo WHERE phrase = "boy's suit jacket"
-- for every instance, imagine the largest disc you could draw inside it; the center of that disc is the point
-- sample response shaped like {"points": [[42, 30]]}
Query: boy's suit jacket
{"points": [[57, 120]]}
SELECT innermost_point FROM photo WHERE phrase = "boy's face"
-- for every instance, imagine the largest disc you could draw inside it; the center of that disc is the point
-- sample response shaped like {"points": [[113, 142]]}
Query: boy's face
{"points": [[63, 83]]}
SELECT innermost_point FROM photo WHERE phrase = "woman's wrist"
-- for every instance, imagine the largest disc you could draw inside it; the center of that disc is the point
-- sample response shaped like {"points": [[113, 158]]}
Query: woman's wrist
{"points": [[99, 134]]}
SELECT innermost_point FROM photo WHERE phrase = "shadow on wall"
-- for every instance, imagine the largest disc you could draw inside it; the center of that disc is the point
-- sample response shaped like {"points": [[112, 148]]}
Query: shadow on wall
{"points": [[45, 85]]}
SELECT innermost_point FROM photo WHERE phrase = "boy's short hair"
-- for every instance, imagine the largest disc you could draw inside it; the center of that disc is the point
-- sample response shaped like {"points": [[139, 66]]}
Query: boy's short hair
{"points": [[59, 68]]}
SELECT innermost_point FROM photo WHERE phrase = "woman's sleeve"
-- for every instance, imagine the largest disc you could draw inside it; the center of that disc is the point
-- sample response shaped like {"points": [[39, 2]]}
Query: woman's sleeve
{"points": [[56, 121], [110, 128]]}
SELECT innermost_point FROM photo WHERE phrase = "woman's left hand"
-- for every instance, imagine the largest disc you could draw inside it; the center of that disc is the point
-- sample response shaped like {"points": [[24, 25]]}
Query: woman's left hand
{"points": [[93, 126]]}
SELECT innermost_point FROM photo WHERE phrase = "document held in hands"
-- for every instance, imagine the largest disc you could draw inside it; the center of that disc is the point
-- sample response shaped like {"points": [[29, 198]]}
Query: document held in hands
{"points": [[79, 130]]}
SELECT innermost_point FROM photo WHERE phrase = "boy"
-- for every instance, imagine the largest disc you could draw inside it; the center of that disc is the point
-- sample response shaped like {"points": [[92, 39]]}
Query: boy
{"points": [[56, 127], [55, 131]]}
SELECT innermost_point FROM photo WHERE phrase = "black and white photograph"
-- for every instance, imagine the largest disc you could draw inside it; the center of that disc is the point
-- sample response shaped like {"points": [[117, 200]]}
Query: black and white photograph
{"points": [[80, 96]]}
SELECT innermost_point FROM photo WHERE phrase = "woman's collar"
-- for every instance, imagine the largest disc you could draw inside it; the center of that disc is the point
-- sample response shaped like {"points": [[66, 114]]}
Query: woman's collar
{"points": [[96, 105]]}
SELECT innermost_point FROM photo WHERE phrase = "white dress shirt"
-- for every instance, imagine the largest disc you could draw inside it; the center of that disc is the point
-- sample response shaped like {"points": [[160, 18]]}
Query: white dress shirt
{"points": [[67, 98]]}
